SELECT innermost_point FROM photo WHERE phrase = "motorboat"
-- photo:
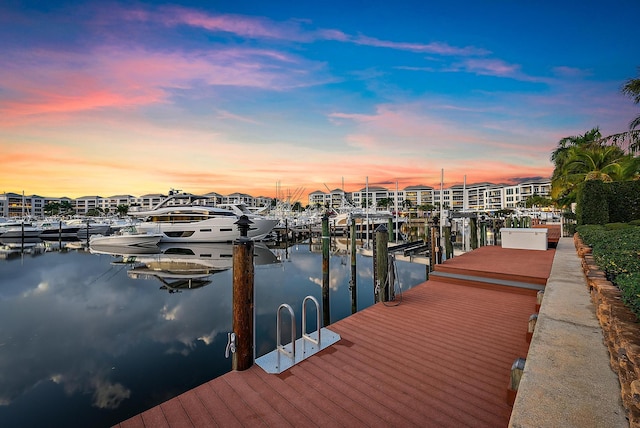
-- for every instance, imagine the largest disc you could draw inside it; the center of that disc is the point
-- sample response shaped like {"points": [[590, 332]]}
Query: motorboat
{"points": [[6, 224], [126, 237], [182, 217], [89, 227], [58, 230], [23, 231]]}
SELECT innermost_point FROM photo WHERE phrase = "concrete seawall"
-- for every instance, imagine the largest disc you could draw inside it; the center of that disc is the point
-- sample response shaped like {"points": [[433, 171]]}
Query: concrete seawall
{"points": [[567, 379]]}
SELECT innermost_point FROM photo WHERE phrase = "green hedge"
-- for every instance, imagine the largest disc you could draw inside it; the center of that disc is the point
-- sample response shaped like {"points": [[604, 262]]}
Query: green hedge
{"points": [[592, 205], [616, 250], [630, 287], [600, 203]]}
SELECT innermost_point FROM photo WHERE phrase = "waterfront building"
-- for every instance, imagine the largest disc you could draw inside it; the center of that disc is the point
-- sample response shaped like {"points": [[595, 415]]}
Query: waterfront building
{"points": [[416, 196], [473, 197], [318, 199], [86, 204], [370, 197]]}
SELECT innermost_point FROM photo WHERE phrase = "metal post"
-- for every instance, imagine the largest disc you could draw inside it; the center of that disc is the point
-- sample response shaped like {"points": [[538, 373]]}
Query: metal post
{"points": [[243, 297]]}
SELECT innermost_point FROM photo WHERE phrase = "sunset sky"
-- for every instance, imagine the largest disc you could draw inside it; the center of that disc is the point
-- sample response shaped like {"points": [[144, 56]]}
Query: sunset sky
{"points": [[106, 97]]}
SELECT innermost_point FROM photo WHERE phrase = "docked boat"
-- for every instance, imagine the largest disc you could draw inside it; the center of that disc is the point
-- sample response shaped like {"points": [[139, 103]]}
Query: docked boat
{"points": [[180, 218], [89, 227], [126, 237], [22, 232], [55, 230]]}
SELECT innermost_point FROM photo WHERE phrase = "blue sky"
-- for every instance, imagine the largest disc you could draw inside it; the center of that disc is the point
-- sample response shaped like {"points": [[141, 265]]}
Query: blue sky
{"points": [[118, 97]]}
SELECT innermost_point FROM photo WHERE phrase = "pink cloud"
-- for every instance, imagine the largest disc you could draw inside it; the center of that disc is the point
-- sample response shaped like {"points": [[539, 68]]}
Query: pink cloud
{"points": [[54, 83], [261, 28], [490, 67], [432, 48]]}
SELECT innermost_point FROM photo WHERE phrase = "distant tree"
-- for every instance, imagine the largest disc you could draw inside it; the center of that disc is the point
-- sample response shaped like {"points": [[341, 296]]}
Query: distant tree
{"points": [[385, 202], [66, 208], [52, 208], [94, 212], [122, 209], [538, 200]]}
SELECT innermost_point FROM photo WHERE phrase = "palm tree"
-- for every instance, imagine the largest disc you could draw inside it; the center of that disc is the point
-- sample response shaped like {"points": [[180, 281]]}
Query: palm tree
{"points": [[122, 209], [66, 207], [590, 162], [590, 138], [385, 202], [632, 89], [559, 183]]}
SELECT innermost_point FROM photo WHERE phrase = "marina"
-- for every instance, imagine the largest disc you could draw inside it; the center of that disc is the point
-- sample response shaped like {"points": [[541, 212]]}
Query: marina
{"points": [[92, 339], [440, 356]]}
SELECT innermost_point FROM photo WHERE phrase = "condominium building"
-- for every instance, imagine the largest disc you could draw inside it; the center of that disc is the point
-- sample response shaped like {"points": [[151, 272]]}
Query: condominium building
{"points": [[473, 197]]}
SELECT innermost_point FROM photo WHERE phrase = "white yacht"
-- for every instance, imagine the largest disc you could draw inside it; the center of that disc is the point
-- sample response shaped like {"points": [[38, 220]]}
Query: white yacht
{"points": [[181, 219]]}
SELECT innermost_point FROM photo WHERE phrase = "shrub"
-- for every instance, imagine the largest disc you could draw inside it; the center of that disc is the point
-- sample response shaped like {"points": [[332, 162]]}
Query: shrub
{"points": [[616, 262], [630, 287], [614, 226], [592, 206], [623, 199], [616, 250]]}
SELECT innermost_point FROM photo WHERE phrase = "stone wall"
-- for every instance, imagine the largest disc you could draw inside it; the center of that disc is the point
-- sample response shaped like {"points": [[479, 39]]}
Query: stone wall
{"points": [[621, 330]]}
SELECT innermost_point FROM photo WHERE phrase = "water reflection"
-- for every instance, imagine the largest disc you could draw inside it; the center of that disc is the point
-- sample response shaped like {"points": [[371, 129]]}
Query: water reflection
{"points": [[86, 342], [181, 266]]}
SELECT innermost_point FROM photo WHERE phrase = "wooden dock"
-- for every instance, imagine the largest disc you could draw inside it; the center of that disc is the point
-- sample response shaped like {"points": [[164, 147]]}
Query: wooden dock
{"points": [[440, 355]]}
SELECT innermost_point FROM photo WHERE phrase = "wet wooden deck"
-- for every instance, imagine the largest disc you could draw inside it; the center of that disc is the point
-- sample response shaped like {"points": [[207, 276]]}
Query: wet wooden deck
{"points": [[440, 355]]}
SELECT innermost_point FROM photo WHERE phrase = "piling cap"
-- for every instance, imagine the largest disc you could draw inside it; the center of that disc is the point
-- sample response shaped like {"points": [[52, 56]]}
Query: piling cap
{"points": [[243, 225], [382, 228]]}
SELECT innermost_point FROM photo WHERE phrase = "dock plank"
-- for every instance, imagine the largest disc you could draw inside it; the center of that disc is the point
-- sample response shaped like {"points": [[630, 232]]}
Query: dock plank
{"points": [[439, 358]]}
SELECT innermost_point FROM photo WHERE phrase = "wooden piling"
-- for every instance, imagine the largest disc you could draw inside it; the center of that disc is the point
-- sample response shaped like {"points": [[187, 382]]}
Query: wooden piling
{"points": [[448, 245], [432, 241], [517, 370], [473, 233], [382, 267], [354, 273], [326, 242], [243, 302]]}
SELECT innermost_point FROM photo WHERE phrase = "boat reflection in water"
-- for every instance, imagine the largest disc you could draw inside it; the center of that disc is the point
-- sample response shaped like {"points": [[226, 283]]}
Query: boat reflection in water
{"points": [[184, 266]]}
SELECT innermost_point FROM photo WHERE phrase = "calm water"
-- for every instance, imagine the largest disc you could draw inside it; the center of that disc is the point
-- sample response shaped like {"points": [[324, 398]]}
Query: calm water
{"points": [[93, 339]]}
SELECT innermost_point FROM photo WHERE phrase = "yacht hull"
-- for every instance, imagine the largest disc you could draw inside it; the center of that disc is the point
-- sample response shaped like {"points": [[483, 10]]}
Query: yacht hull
{"points": [[210, 230]]}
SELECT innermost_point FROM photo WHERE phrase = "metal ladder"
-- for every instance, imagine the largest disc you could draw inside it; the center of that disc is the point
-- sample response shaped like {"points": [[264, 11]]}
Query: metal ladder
{"points": [[287, 355]]}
